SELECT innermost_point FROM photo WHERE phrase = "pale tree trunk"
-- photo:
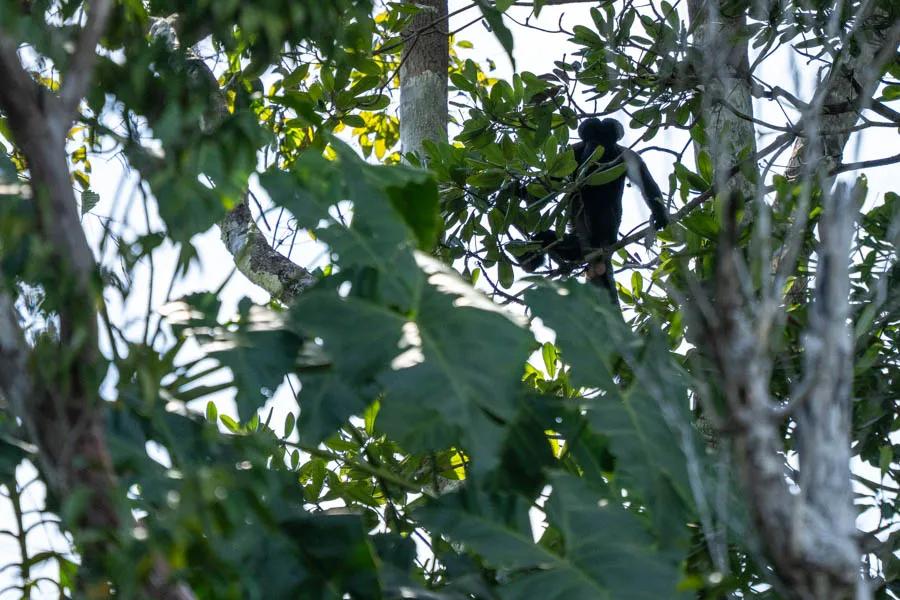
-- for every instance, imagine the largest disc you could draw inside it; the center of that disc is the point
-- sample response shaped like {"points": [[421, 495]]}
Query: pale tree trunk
{"points": [[424, 112], [823, 416], [423, 77], [845, 91], [809, 537], [827, 522], [823, 420], [726, 98], [809, 529]]}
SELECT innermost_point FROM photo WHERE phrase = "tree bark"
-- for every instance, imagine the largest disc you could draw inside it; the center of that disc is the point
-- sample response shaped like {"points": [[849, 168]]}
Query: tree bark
{"points": [[63, 413], [726, 90], [827, 528], [808, 530], [846, 90], [828, 120], [423, 77], [253, 256]]}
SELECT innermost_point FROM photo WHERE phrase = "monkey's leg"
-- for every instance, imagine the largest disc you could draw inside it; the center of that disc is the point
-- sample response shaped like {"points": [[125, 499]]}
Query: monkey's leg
{"points": [[600, 274]]}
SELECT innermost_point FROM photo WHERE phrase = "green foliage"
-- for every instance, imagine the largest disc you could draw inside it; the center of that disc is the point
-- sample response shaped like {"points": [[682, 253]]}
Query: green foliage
{"points": [[591, 562], [464, 390], [494, 17]]}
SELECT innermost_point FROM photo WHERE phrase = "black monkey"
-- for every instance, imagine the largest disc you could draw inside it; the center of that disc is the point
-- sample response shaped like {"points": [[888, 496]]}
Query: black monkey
{"points": [[595, 212]]}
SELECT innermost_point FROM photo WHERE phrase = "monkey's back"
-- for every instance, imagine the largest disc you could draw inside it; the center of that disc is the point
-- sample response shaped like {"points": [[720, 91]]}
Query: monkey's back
{"points": [[596, 210]]}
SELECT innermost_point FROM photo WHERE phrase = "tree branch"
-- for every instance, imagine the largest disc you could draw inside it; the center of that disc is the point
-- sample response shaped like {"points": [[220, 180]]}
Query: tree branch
{"points": [[39, 129], [20, 95], [826, 531], [78, 76], [685, 210], [849, 85], [866, 164], [881, 109], [254, 257], [283, 279]]}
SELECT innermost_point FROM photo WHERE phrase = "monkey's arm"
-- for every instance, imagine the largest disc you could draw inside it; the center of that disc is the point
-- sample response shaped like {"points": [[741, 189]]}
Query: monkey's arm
{"points": [[640, 175]]}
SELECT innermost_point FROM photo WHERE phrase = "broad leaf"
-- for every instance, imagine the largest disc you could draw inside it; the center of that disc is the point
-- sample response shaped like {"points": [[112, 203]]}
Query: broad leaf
{"points": [[472, 361]]}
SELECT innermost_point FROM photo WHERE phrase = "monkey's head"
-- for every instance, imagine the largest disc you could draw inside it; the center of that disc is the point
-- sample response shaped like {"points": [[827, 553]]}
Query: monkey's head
{"points": [[603, 133]]}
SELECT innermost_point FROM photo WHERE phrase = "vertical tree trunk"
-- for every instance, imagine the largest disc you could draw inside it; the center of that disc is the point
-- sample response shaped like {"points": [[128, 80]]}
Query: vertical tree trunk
{"points": [[59, 404], [809, 535], [423, 77], [730, 138], [851, 80], [827, 525]]}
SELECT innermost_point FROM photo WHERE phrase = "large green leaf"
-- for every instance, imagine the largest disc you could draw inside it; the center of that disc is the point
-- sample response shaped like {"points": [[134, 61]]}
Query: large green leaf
{"points": [[495, 526], [342, 558], [472, 358], [259, 350], [413, 193], [458, 377], [360, 339], [607, 552], [589, 330], [390, 209], [648, 427], [210, 174], [607, 547], [259, 361]]}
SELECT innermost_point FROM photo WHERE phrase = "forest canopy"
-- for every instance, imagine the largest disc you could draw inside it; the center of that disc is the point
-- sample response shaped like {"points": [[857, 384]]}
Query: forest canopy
{"points": [[394, 408]]}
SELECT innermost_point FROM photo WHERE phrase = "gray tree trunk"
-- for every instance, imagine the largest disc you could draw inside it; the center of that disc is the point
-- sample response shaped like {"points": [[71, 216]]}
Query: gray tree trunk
{"points": [[423, 77], [845, 91], [809, 535], [726, 97]]}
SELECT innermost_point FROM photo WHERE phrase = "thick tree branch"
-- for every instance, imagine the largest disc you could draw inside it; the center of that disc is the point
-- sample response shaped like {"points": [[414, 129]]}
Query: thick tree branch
{"points": [[38, 128], [63, 413], [866, 164], [253, 256], [78, 76], [283, 279], [846, 90], [880, 108], [21, 95]]}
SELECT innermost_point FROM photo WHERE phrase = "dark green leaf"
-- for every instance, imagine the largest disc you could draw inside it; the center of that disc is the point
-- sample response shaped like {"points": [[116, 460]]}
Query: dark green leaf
{"points": [[494, 17]]}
